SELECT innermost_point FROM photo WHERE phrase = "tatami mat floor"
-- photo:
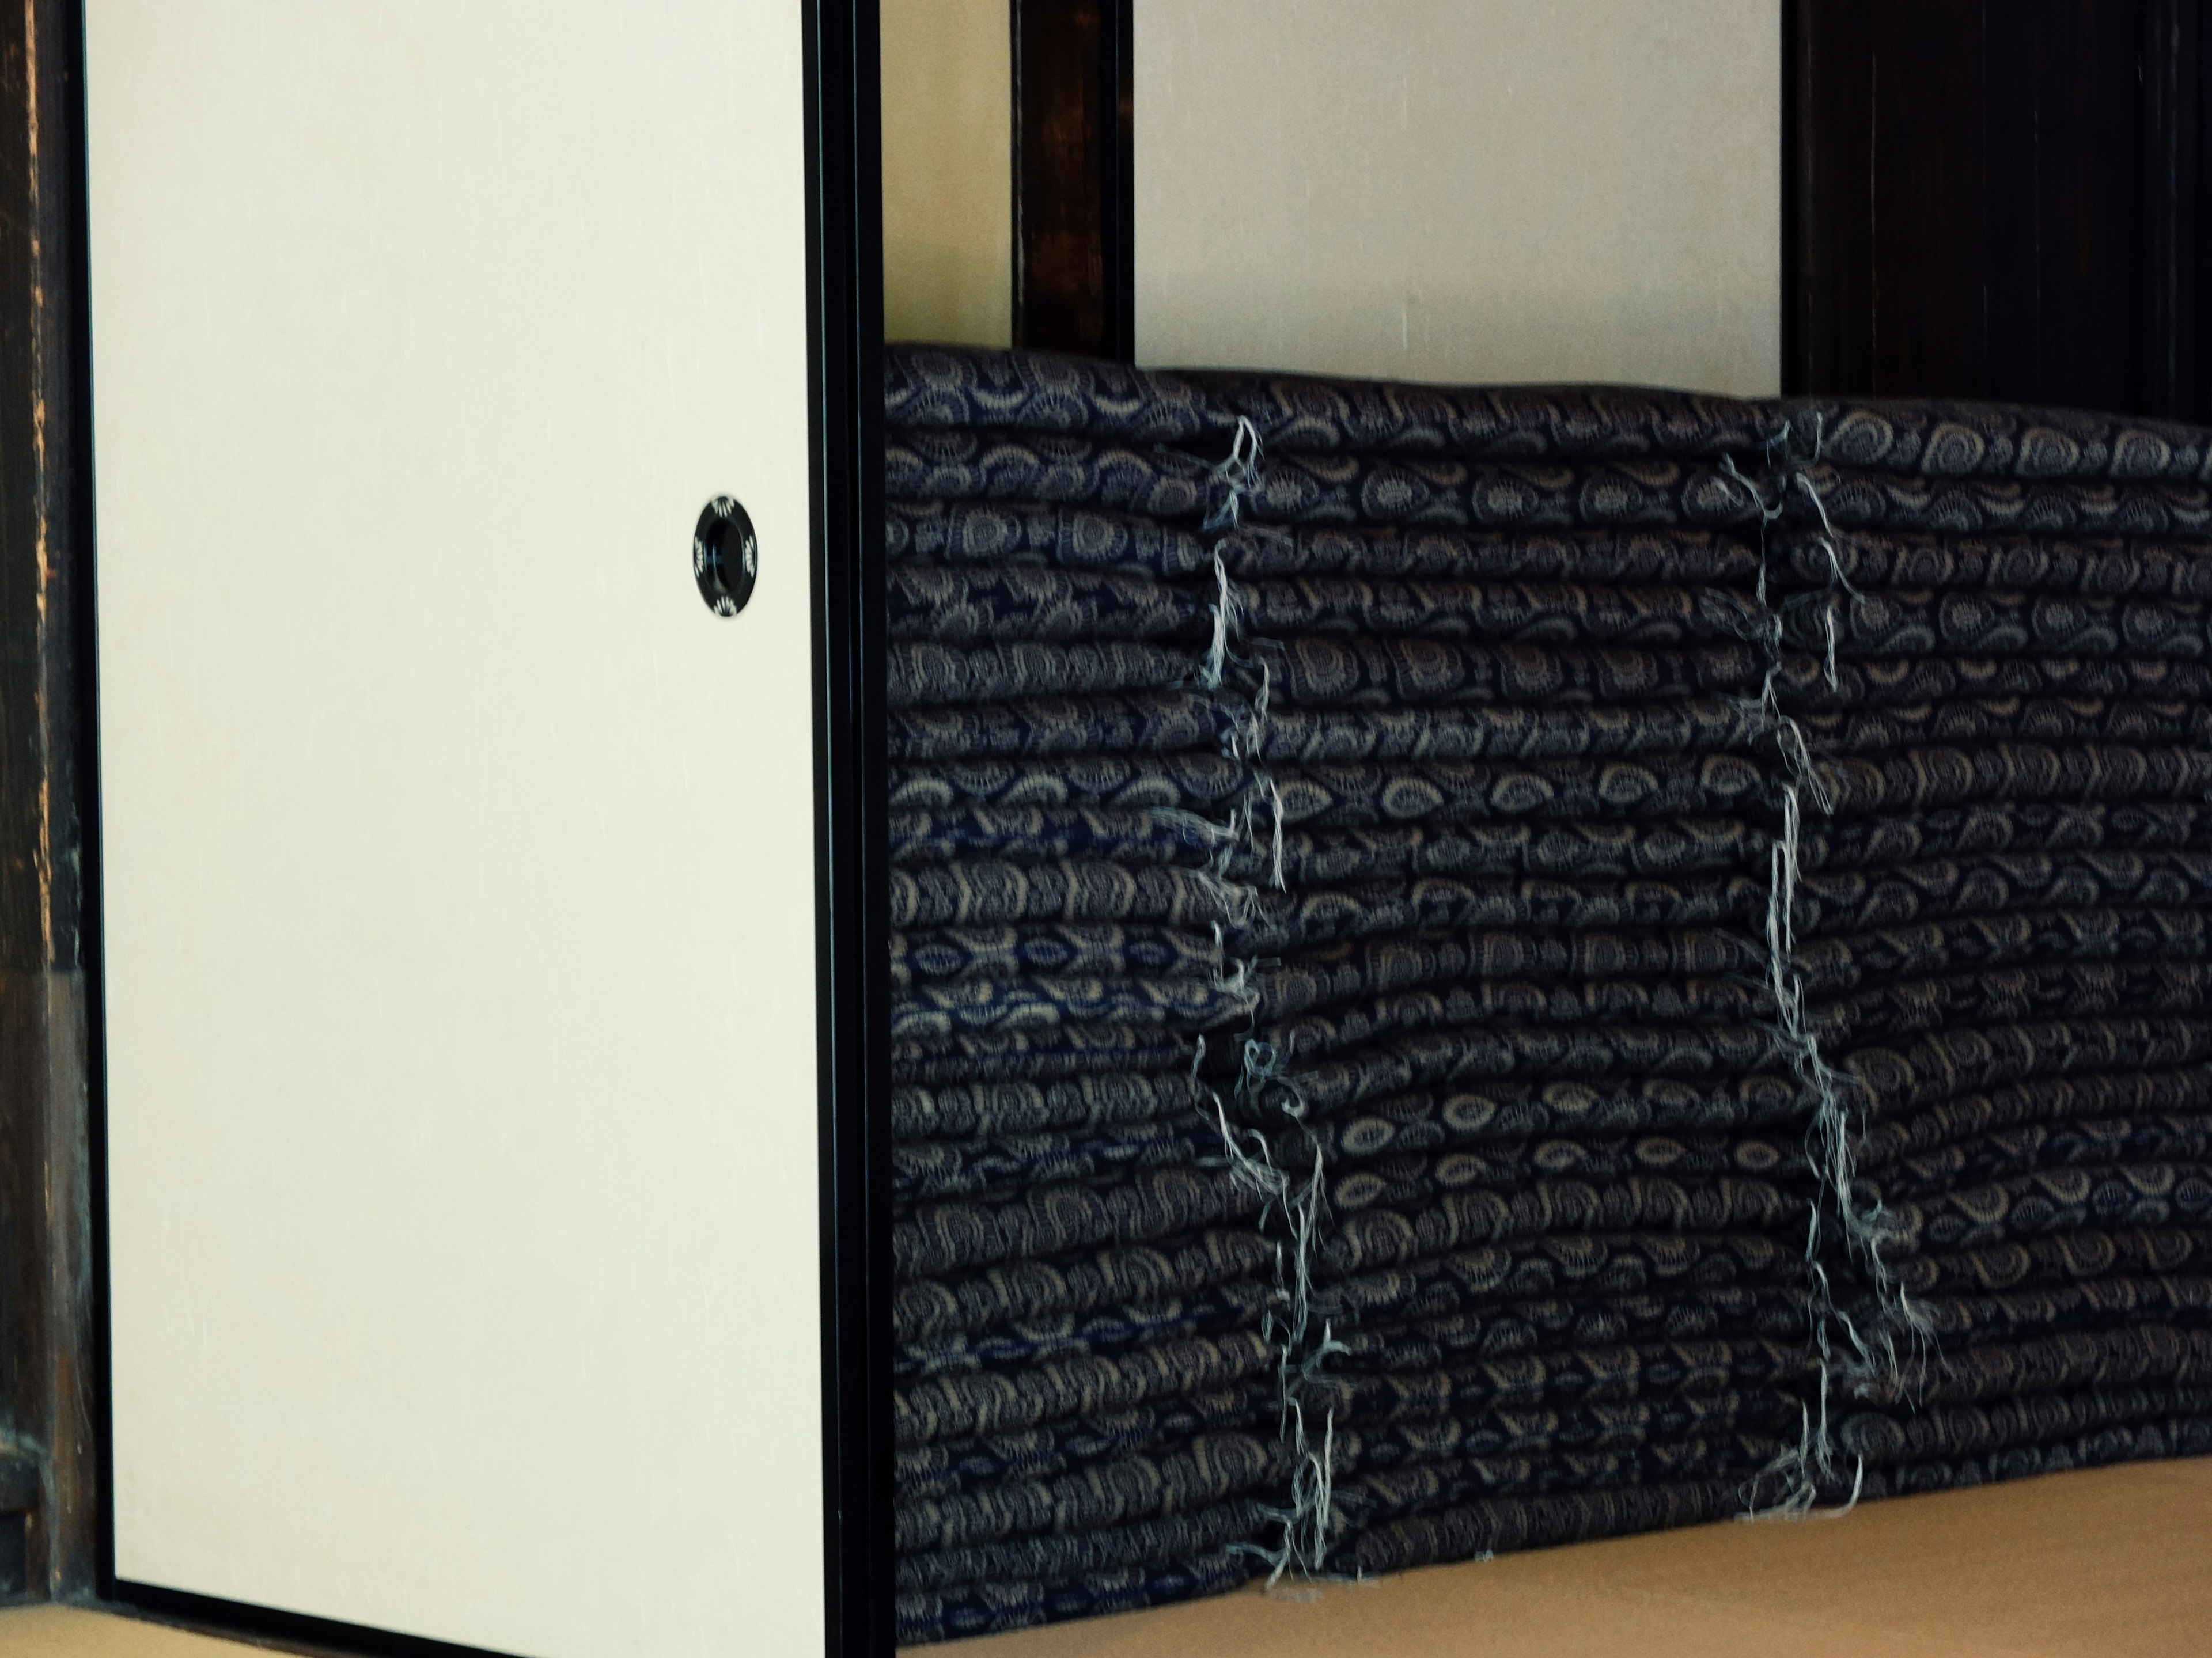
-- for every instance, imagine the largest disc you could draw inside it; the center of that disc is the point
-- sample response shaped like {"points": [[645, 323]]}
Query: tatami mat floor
{"points": [[2115, 1562], [67, 1633]]}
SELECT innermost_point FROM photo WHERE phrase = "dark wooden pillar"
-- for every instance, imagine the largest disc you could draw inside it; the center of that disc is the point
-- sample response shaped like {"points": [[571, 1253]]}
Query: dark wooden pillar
{"points": [[48, 1462], [1072, 277]]}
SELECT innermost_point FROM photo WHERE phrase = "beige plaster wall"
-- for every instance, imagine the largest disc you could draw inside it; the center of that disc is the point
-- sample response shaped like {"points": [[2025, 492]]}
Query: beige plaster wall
{"points": [[948, 210], [1491, 190]]}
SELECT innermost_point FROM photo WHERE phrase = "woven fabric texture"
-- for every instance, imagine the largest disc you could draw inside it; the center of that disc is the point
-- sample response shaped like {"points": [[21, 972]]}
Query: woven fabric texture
{"points": [[1477, 968]]}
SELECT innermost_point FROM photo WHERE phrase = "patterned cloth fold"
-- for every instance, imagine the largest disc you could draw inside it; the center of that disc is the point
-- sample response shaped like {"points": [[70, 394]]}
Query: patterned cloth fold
{"points": [[1885, 622], [1974, 721], [1960, 504], [1042, 392], [2020, 564], [1085, 1283], [2035, 827]]}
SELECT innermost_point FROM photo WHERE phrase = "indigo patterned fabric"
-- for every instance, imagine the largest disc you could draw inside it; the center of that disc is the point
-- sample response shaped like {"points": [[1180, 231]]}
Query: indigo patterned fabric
{"points": [[1992, 628], [1478, 968]]}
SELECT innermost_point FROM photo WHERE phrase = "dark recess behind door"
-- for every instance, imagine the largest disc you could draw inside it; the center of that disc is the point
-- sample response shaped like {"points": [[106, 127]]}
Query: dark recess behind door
{"points": [[1998, 198], [1073, 200]]}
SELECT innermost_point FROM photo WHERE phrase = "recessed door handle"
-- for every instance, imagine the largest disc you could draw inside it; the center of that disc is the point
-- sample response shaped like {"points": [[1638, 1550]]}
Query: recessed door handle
{"points": [[725, 555]]}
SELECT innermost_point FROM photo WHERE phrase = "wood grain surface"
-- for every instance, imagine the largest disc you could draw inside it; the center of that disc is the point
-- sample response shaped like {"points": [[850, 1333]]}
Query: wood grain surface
{"points": [[1998, 198]]}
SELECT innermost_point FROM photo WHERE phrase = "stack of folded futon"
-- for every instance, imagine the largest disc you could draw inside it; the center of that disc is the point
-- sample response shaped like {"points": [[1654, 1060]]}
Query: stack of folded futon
{"points": [[1998, 656], [1481, 968], [1086, 1402], [1515, 1052]]}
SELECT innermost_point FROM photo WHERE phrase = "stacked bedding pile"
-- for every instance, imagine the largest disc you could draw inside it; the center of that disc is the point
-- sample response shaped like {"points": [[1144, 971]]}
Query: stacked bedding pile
{"points": [[1998, 655], [1541, 1149], [1476, 968], [1087, 1398]]}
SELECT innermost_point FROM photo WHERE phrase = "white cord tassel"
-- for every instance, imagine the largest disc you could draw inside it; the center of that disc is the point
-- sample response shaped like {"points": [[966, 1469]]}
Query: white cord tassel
{"points": [[1240, 472]]}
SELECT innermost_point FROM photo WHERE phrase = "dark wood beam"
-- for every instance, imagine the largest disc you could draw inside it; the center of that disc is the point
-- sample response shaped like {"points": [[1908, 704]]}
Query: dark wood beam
{"points": [[1072, 269], [2000, 200], [2175, 223]]}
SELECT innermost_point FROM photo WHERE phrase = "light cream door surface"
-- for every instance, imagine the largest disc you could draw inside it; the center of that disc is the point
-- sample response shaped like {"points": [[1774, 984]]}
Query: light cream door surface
{"points": [[457, 864]]}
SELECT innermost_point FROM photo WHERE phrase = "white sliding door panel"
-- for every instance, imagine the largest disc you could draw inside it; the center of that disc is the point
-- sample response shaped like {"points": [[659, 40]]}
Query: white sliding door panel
{"points": [[458, 865]]}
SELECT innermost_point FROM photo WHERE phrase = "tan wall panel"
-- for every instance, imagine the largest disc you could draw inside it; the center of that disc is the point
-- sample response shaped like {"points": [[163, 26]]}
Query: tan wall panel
{"points": [[948, 171], [1480, 190]]}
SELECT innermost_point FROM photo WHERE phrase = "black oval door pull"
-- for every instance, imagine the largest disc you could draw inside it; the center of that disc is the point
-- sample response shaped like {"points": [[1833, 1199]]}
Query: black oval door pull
{"points": [[725, 555]]}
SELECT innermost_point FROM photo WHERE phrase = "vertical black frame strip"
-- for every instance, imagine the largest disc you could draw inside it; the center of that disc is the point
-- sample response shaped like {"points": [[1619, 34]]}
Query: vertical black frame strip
{"points": [[1791, 298], [851, 804], [1117, 197], [2173, 223], [845, 316]]}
